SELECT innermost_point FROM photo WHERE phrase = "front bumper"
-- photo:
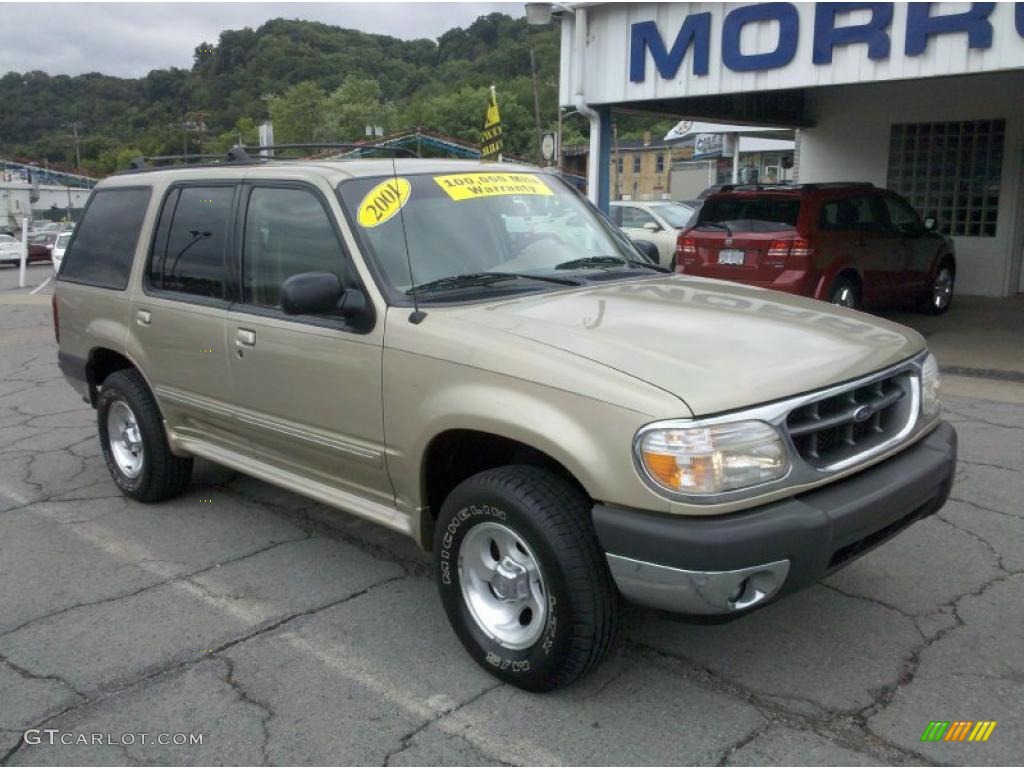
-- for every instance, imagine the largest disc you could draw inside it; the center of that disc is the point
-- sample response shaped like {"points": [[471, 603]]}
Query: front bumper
{"points": [[725, 565]]}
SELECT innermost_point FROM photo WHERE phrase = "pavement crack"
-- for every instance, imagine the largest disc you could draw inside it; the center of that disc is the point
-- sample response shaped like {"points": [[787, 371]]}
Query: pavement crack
{"points": [[987, 464], [981, 540], [874, 600], [406, 740], [30, 675], [983, 508], [268, 712], [154, 585]]}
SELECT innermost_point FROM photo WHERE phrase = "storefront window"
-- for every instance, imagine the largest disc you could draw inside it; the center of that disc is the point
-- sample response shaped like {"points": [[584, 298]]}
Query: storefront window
{"points": [[950, 171]]}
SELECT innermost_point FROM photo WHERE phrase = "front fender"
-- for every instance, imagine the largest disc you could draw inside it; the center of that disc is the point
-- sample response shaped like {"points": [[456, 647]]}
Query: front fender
{"points": [[592, 439]]}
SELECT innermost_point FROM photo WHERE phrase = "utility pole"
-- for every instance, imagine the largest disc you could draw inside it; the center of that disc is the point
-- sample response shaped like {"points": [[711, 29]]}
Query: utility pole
{"points": [[74, 126], [536, 106]]}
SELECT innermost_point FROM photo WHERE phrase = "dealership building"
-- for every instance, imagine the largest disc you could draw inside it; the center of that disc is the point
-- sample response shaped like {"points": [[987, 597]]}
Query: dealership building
{"points": [[926, 99]]}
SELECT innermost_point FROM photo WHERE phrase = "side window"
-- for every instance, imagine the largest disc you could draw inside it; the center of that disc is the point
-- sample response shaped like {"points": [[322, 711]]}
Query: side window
{"points": [[104, 243], [902, 217], [852, 213], [188, 250], [635, 218], [615, 214], [287, 232]]}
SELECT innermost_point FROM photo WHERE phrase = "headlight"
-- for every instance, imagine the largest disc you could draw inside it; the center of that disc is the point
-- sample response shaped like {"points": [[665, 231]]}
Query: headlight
{"points": [[930, 382], [713, 459]]}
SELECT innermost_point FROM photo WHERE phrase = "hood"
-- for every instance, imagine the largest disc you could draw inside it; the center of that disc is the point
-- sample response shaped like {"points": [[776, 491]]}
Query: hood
{"points": [[716, 345]]}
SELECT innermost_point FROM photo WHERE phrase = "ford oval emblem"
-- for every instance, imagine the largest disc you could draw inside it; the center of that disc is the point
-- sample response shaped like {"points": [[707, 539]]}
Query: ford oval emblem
{"points": [[863, 413]]}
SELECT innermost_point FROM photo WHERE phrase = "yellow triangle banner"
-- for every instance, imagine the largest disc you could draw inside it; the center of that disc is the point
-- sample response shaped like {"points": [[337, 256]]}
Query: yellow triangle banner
{"points": [[491, 143]]}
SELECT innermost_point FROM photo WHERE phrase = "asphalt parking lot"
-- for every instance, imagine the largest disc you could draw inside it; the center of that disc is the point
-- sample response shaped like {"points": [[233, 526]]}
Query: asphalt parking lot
{"points": [[287, 632]]}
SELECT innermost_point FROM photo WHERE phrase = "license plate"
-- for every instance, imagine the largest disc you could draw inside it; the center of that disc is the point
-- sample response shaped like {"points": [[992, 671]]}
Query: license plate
{"points": [[730, 256]]}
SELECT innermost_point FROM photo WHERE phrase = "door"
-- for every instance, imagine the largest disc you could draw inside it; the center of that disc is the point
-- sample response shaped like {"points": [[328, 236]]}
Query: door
{"points": [[859, 237], [178, 321], [918, 247], [307, 388], [638, 224]]}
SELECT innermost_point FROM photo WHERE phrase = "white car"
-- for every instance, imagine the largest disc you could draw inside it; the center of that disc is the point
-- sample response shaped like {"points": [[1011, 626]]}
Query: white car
{"points": [[59, 249], [658, 222], [10, 250]]}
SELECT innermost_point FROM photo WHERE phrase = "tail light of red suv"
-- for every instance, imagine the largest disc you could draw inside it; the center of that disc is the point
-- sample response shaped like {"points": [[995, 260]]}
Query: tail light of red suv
{"points": [[686, 251], [791, 252]]}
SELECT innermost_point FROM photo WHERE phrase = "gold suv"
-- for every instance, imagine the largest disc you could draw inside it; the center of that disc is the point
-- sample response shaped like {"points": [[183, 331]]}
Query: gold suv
{"points": [[470, 354]]}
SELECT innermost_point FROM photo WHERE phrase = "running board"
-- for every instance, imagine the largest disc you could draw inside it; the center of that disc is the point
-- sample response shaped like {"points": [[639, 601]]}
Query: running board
{"points": [[304, 486]]}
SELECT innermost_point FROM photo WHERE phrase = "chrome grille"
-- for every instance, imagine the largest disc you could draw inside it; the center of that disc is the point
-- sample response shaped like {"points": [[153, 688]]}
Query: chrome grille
{"points": [[840, 427]]}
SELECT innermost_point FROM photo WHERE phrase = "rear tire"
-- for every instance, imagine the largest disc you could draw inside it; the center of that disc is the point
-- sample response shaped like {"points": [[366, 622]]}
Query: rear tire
{"points": [[940, 293], [845, 292], [523, 579], [134, 442]]}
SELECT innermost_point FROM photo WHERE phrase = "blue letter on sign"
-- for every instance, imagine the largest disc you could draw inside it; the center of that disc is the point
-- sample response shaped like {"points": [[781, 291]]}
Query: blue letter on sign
{"points": [[921, 25], [789, 32], [1018, 18], [696, 31], [827, 36]]}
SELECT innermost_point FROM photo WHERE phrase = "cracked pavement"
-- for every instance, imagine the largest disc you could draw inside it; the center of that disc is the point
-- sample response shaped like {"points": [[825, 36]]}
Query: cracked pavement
{"points": [[287, 632]]}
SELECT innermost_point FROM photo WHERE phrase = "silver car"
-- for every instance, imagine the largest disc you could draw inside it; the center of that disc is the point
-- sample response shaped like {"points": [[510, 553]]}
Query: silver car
{"points": [[658, 222]]}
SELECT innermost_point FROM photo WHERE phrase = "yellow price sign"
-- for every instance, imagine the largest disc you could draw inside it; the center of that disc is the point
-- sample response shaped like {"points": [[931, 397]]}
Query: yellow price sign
{"points": [[469, 186], [383, 201]]}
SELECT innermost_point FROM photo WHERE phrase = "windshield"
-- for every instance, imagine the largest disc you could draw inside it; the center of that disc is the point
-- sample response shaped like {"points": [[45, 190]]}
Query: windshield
{"points": [[751, 214], [676, 214], [7, 239], [467, 230], [62, 241]]}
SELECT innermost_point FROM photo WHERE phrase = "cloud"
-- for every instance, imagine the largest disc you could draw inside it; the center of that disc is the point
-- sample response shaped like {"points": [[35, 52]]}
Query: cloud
{"points": [[130, 39]]}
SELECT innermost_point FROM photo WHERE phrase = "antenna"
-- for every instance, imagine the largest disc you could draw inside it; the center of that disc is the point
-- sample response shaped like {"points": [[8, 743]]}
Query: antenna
{"points": [[417, 316]]}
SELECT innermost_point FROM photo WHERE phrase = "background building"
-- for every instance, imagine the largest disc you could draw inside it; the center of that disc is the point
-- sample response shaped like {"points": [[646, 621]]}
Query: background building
{"points": [[923, 98]]}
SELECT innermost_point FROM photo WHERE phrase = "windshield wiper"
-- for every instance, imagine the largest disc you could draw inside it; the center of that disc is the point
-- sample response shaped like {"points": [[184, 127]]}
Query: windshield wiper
{"points": [[700, 224], [484, 278], [608, 261]]}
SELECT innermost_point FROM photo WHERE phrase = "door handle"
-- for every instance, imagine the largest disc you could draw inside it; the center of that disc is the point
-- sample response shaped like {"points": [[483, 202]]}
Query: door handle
{"points": [[143, 317], [245, 338]]}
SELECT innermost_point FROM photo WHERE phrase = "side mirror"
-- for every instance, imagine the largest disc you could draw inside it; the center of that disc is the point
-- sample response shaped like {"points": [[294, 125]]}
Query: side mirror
{"points": [[648, 249], [319, 293], [651, 226], [310, 293], [930, 223]]}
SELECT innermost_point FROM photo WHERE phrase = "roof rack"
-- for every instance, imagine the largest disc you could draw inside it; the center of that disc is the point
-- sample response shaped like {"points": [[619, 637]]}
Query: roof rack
{"points": [[792, 187], [243, 155]]}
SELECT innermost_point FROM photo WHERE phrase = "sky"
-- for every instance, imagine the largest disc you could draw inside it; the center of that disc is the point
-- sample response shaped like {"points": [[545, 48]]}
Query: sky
{"points": [[130, 39]]}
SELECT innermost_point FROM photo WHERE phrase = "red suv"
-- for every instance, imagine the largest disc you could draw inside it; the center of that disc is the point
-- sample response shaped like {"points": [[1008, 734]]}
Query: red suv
{"points": [[849, 243]]}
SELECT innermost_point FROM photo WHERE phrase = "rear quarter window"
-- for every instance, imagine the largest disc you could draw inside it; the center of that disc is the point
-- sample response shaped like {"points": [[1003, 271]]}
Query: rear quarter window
{"points": [[103, 246], [752, 214]]}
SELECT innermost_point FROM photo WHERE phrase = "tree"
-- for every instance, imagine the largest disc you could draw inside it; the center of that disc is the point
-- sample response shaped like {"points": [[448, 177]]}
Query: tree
{"points": [[298, 115], [371, 79], [358, 103], [244, 132]]}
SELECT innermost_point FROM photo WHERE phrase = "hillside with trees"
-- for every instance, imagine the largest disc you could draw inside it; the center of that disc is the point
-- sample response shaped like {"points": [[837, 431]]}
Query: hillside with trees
{"points": [[315, 81]]}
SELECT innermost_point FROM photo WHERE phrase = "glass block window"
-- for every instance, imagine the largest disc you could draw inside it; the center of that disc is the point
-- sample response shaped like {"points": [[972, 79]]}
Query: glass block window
{"points": [[950, 171]]}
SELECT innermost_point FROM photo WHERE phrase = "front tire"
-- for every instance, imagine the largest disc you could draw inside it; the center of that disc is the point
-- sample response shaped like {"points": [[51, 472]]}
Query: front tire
{"points": [[523, 579], [134, 443], [940, 292], [845, 293]]}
